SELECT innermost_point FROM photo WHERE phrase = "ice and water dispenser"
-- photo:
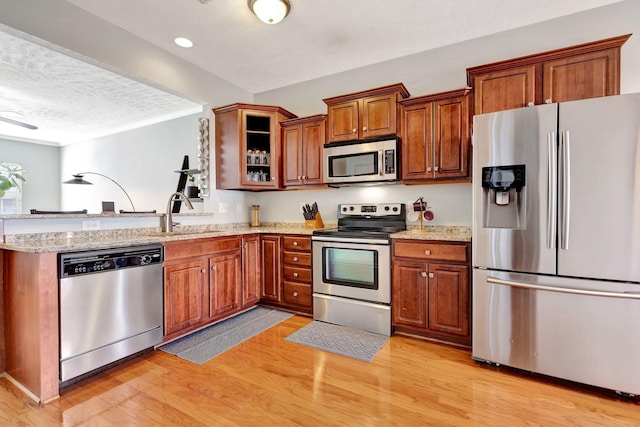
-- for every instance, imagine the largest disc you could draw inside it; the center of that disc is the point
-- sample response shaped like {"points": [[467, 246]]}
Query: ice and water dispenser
{"points": [[504, 201]]}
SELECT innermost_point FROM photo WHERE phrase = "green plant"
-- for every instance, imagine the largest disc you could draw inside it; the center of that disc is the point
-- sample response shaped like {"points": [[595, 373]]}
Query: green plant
{"points": [[10, 176]]}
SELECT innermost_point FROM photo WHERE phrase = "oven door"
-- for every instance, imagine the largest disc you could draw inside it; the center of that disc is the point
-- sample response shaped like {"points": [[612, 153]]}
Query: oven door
{"points": [[358, 269]]}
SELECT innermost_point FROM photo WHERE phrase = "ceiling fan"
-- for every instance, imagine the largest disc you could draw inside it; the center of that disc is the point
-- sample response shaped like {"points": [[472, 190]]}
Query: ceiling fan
{"points": [[11, 117]]}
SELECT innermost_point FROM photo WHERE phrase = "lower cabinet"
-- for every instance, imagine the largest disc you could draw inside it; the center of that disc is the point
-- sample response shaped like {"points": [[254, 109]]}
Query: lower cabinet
{"points": [[431, 292], [286, 281], [203, 283], [250, 270]]}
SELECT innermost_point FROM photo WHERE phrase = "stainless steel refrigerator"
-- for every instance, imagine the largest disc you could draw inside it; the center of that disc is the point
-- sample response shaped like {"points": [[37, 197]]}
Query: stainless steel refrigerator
{"points": [[556, 240]]}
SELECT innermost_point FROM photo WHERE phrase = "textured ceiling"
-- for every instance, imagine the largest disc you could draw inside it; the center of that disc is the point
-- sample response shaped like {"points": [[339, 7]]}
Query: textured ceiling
{"points": [[73, 99]]}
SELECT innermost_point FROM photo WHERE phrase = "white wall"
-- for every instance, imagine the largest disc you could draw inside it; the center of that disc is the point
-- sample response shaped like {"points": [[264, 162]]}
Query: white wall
{"points": [[42, 165]]}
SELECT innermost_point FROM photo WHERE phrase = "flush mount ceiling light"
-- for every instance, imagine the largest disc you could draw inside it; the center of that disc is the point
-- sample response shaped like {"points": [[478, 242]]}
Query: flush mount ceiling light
{"points": [[270, 11], [183, 42]]}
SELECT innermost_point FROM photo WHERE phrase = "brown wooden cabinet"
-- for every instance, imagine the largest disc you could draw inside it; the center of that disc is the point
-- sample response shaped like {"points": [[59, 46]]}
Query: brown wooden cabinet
{"points": [[431, 293], [251, 260], [435, 137], [362, 115], [302, 143], [584, 71], [270, 268], [296, 272], [203, 282], [248, 146]]}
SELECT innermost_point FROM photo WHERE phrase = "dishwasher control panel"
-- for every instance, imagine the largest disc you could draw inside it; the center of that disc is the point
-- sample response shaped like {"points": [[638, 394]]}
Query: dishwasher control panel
{"points": [[78, 263]]}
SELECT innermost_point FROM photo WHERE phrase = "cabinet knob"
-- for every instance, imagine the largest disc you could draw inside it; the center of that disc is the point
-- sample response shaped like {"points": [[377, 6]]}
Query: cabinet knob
{"points": [[299, 177], [295, 258], [213, 268], [427, 252], [295, 294], [354, 130], [273, 178], [530, 104], [428, 168], [304, 177], [364, 128], [431, 276], [244, 246], [295, 274], [423, 274], [436, 168], [203, 271], [295, 243], [547, 101]]}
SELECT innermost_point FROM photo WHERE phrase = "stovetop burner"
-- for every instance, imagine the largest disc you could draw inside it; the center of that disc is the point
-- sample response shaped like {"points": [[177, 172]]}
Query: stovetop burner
{"points": [[368, 221]]}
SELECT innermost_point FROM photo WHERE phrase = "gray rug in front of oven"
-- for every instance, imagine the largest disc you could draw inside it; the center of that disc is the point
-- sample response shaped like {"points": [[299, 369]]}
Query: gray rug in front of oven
{"points": [[343, 340], [207, 343]]}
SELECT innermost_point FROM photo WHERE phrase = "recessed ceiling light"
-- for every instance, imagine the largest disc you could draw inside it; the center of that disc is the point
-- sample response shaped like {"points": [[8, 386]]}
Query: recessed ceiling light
{"points": [[183, 42]]}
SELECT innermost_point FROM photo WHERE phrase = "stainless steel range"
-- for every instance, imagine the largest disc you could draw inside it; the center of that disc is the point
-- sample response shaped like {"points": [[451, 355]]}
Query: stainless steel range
{"points": [[352, 266]]}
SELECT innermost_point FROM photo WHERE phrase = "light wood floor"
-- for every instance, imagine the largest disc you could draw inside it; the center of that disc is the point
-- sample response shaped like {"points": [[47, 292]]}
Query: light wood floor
{"points": [[267, 381]]}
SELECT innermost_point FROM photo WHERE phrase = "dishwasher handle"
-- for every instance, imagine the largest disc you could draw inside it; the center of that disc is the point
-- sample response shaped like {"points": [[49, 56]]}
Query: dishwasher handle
{"points": [[515, 284]]}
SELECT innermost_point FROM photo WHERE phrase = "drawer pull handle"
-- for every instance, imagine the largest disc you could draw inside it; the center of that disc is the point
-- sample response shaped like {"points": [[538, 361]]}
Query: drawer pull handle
{"points": [[427, 252], [295, 258], [295, 274], [295, 294], [295, 243]]}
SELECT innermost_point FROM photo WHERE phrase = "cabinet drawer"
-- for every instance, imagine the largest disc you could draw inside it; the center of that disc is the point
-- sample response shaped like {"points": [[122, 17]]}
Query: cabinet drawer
{"points": [[296, 243], [297, 258], [297, 274], [431, 251], [200, 247], [297, 294]]}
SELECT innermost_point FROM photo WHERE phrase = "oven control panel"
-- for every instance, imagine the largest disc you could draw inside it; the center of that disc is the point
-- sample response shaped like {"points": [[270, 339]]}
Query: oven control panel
{"points": [[371, 209]]}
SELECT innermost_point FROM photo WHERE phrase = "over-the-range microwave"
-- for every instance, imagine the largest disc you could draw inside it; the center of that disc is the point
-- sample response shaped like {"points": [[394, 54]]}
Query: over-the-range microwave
{"points": [[361, 162]]}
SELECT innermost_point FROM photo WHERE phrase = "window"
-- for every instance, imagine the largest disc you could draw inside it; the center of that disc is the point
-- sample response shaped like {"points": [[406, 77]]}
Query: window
{"points": [[11, 202]]}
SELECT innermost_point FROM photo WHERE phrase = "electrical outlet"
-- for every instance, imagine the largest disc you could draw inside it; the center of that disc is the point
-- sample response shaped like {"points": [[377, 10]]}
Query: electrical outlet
{"points": [[90, 225], [239, 207], [222, 207]]}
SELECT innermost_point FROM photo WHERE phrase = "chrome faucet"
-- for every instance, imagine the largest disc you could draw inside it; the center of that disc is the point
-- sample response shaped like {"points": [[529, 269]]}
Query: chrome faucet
{"points": [[168, 223]]}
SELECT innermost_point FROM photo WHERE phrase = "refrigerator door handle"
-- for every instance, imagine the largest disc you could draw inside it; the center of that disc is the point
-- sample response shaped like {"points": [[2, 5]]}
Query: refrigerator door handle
{"points": [[552, 190], [498, 281], [565, 189]]}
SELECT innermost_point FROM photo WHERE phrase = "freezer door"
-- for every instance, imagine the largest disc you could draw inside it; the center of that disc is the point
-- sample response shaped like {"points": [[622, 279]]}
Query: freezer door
{"points": [[599, 177], [515, 230]]}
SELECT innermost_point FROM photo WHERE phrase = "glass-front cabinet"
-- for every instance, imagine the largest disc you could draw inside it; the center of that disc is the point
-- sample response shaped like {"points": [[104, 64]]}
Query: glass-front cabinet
{"points": [[248, 146]]}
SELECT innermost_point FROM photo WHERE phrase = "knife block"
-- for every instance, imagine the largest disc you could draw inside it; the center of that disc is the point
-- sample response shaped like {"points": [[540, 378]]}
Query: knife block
{"points": [[312, 224]]}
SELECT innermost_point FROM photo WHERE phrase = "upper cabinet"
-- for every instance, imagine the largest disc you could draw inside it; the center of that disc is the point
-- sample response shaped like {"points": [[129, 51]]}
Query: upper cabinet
{"points": [[578, 72], [248, 146], [302, 143], [362, 115], [435, 137]]}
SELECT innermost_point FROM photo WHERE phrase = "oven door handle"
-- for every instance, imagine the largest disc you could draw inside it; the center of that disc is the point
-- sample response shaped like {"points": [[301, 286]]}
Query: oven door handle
{"points": [[350, 240]]}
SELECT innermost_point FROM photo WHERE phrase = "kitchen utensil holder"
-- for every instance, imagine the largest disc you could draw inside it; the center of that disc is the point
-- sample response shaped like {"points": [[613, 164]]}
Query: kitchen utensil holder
{"points": [[312, 224]]}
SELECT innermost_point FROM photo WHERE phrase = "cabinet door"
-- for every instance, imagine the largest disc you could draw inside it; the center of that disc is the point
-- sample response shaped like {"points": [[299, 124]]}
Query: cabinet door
{"points": [[449, 298], [504, 90], [343, 121], [451, 138], [258, 151], [270, 268], [224, 284], [409, 293], [378, 116], [582, 76], [417, 155], [183, 301], [313, 138], [292, 156], [250, 270]]}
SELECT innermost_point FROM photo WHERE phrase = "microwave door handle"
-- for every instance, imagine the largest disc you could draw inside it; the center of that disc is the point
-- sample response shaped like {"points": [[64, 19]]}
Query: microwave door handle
{"points": [[380, 163]]}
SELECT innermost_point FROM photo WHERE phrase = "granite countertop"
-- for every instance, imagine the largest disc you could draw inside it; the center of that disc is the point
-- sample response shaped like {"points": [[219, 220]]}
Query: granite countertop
{"points": [[106, 239], [435, 232]]}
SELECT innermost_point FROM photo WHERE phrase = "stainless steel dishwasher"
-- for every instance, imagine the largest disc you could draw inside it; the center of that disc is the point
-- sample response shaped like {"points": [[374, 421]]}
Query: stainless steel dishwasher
{"points": [[111, 306]]}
